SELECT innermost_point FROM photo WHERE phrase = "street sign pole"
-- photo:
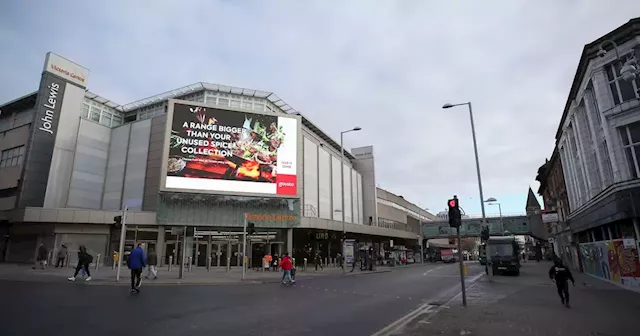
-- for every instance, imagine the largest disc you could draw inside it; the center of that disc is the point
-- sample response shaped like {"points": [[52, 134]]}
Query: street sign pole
{"points": [[122, 236], [244, 246], [464, 291]]}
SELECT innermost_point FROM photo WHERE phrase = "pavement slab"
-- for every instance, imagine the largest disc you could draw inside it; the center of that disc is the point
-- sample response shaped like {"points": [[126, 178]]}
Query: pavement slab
{"points": [[529, 305]]}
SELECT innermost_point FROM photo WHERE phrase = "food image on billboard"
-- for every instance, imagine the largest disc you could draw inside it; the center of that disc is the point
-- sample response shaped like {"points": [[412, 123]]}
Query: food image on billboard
{"points": [[212, 149]]}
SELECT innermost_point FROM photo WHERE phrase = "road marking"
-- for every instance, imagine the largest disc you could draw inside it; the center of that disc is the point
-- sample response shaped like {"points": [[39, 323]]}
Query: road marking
{"points": [[395, 327], [433, 269]]}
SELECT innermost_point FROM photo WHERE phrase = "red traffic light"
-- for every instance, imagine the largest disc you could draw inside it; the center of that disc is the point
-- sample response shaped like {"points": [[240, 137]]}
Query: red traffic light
{"points": [[453, 203]]}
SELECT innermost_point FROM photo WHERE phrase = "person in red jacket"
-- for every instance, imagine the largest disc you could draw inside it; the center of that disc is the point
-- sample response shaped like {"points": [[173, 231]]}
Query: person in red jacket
{"points": [[287, 265]]}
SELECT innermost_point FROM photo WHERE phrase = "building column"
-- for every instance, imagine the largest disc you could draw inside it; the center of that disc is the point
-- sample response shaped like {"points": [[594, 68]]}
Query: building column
{"points": [[580, 143], [290, 241], [160, 245], [604, 102], [590, 106]]}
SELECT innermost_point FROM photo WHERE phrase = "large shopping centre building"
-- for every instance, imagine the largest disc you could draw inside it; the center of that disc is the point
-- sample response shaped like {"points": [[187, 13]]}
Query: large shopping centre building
{"points": [[204, 157]]}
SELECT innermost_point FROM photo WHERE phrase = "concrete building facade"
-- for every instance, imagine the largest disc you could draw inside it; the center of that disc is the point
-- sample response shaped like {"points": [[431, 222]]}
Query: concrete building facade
{"points": [[71, 160], [597, 143]]}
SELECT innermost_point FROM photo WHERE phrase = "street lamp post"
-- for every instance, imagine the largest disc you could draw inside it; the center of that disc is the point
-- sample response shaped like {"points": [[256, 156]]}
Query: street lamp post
{"points": [[491, 201], [344, 230], [629, 69], [475, 151]]}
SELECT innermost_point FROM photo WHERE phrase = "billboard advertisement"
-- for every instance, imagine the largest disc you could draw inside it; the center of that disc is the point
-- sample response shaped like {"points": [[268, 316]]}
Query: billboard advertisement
{"points": [[230, 151]]}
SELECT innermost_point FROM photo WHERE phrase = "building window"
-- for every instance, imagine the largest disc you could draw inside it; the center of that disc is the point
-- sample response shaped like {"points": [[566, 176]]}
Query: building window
{"points": [[630, 135], [12, 157], [621, 90]]}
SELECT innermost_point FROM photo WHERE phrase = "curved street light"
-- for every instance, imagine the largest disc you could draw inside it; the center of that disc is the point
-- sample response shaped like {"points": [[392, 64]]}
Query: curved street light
{"points": [[492, 201], [629, 70], [344, 231]]}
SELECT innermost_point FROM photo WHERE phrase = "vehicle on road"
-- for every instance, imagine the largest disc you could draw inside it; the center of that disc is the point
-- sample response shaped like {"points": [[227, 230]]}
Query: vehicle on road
{"points": [[505, 255], [448, 256]]}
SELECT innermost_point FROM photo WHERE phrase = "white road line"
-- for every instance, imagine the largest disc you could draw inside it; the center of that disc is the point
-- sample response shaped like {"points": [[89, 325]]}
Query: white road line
{"points": [[433, 269]]}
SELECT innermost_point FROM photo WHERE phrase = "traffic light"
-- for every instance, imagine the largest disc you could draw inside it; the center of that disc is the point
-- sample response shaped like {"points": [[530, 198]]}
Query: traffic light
{"points": [[455, 217], [251, 228], [485, 233], [117, 220]]}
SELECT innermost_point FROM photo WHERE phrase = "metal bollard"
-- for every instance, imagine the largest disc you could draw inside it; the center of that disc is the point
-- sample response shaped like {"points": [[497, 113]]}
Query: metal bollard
{"points": [[189, 260], [97, 262], [228, 264], [326, 264], [170, 262], [333, 263], [209, 264], [66, 260], [304, 266], [113, 267]]}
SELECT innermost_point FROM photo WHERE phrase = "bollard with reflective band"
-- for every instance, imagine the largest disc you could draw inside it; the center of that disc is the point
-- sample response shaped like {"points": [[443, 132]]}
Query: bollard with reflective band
{"points": [[190, 259], [170, 262], [98, 261], [209, 264]]}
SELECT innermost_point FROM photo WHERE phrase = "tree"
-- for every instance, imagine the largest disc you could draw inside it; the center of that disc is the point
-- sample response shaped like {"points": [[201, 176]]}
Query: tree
{"points": [[469, 244]]}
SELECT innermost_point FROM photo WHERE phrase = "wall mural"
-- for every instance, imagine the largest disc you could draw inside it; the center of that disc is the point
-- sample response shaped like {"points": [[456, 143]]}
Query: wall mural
{"points": [[612, 261]]}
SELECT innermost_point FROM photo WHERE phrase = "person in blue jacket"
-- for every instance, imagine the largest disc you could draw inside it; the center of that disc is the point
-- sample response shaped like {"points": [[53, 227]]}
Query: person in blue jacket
{"points": [[137, 261]]}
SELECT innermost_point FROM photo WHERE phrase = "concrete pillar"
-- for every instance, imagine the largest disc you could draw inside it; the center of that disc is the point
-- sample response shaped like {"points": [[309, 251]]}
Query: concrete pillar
{"points": [[290, 241], [160, 246]]}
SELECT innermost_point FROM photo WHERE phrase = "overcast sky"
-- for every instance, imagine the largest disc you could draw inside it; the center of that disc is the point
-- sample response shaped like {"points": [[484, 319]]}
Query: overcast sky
{"points": [[386, 66]]}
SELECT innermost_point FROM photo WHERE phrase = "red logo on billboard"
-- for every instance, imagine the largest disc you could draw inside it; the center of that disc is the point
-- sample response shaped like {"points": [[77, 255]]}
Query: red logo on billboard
{"points": [[286, 184]]}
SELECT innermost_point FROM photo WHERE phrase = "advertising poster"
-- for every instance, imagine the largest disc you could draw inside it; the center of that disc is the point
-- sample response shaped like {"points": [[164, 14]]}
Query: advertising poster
{"points": [[349, 253], [611, 260], [212, 149]]}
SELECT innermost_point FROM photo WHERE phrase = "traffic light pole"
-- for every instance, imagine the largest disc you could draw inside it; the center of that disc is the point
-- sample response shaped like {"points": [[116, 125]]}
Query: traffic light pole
{"points": [[464, 290], [121, 246]]}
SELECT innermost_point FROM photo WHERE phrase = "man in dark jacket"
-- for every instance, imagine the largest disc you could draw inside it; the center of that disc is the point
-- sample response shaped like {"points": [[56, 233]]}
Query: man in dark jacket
{"points": [[84, 259], [137, 261], [561, 276], [152, 261], [41, 258]]}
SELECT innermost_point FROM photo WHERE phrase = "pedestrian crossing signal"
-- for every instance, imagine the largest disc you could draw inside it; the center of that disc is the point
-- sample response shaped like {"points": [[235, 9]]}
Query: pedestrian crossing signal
{"points": [[455, 217]]}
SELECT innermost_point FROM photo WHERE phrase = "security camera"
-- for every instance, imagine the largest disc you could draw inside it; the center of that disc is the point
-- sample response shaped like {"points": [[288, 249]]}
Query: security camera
{"points": [[601, 53]]}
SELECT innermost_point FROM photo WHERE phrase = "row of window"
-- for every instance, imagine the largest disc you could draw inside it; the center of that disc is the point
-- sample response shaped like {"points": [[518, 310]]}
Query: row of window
{"points": [[12, 157], [621, 90], [101, 114]]}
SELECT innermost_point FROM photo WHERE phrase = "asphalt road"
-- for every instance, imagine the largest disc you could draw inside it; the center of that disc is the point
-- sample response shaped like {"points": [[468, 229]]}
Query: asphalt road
{"points": [[331, 305]]}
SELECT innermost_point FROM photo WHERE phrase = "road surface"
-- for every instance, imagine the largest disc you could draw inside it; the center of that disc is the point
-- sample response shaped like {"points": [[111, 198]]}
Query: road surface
{"points": [[329, 305]]}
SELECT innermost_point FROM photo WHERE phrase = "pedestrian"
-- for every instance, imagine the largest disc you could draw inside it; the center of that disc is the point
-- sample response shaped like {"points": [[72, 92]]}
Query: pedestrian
{"points": [[62, 255], [275, 263], [136, 262], [287, 265], [152, 261], [318, 261], [340, 261], [41, 258], [84, 259], [561, 275]]}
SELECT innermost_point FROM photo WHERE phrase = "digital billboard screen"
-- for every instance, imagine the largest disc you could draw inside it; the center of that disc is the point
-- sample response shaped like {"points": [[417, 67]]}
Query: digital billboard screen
{"points": [[230, 151]]}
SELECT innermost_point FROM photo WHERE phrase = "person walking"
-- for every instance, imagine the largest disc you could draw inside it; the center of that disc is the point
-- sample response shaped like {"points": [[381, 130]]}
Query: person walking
{"points": [[287, 265], [152, 261], [561, 276], [62, 255], [318, 261], [84, 259], [41, 258], [340, 261], [137, 261]]}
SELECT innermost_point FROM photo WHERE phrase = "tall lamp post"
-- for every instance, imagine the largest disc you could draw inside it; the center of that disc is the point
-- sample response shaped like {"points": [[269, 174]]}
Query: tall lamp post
{"points": [[630, 69], [475, 150], [344, 230], [492, 201]]}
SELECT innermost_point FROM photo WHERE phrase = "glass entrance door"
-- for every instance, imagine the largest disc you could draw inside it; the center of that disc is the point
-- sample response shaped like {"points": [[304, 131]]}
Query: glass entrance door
{"points": [[174, 249]]}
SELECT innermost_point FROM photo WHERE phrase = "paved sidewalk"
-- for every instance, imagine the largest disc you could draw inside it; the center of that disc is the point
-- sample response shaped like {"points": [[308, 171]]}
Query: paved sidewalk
{"points": [[198, 275], [529, 305]]}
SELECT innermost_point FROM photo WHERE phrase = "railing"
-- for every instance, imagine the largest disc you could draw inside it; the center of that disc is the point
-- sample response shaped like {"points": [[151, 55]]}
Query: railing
{"points": [[475, 216]]}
